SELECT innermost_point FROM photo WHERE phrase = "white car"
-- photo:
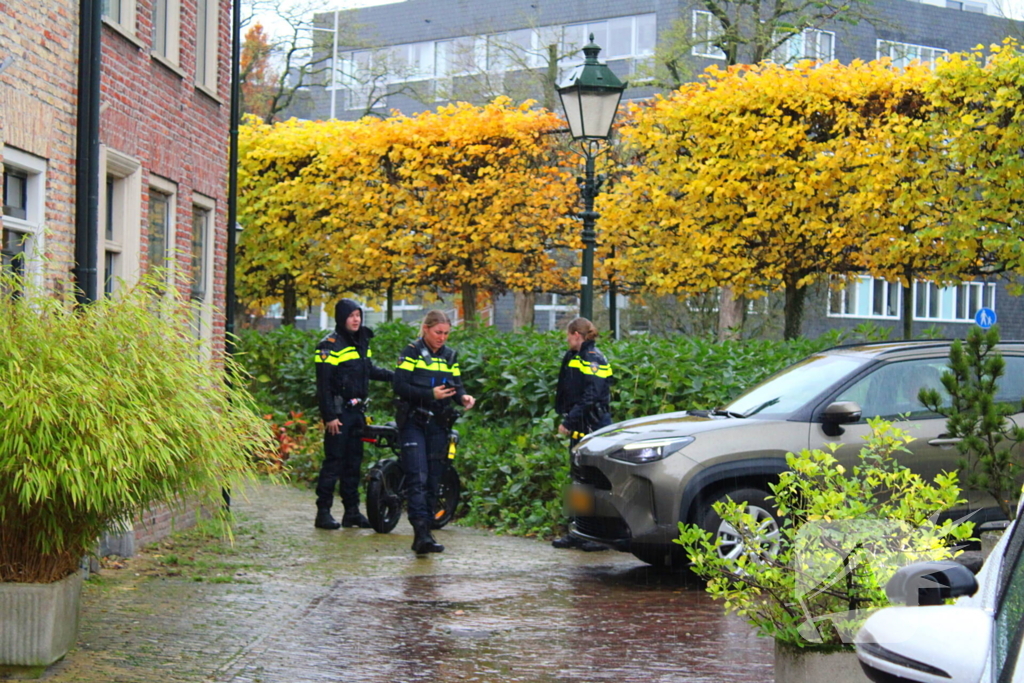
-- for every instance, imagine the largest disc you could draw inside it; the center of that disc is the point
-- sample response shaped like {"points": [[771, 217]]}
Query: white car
{"points": [[977, 639]]}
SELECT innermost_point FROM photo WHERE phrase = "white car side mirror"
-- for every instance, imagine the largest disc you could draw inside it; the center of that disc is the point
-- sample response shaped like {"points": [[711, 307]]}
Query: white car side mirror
{"points": [[926, 644]]}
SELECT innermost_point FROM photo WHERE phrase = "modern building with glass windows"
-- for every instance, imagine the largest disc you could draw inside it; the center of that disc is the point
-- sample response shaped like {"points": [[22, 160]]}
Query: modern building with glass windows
{"points": [[414, 55]]}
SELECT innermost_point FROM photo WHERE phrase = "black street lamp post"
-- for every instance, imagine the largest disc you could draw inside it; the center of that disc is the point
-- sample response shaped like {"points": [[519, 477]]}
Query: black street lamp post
{"points": [[590, 97]]}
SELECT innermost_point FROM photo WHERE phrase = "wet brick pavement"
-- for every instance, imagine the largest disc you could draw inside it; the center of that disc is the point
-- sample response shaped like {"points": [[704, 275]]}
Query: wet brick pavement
{"points": [[304, 605]]}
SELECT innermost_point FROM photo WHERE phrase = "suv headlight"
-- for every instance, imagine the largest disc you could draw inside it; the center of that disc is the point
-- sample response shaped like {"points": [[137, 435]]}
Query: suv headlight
{"points": [[650, 450]]}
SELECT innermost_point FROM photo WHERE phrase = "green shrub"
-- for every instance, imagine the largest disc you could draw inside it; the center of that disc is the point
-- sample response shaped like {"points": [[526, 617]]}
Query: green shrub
{"points": [[513, 475], [843, 535], [514, 466], [107, 408], [281, 367]]}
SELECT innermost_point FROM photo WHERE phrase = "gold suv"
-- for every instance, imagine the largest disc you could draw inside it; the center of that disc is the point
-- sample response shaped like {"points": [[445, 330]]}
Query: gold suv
{"points": [[634, 481]]}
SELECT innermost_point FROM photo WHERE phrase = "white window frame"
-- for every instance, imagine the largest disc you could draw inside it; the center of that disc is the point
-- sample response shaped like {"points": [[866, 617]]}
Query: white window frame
{"points": [[702, 25], [461, 56], [168, 261], [207, 206], [806, 45], [865, 300], [556, 310], [207, 31], [356, 77], [412, 62], [902, 54], [579, 34], [34, 224], [954, 303], [499, 46], [125, 215], [276, 312], [124, 20], [166, 26]]}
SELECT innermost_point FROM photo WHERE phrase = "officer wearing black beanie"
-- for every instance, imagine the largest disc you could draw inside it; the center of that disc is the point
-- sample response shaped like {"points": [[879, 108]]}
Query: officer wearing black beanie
{"points": [[343, 373]]}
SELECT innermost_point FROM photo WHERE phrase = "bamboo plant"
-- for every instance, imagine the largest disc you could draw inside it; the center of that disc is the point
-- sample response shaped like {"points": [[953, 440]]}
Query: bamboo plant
{"points": [[104, 410]]}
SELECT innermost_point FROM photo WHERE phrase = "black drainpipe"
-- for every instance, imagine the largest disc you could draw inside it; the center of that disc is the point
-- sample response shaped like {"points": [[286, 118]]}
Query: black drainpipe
{"points": [[87, 161], [229, 277]]}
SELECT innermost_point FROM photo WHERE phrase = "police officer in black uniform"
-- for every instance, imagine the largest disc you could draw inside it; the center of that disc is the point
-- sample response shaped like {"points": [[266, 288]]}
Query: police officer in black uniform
{"points": [[583, 398], [343, 374], [428, 384]]}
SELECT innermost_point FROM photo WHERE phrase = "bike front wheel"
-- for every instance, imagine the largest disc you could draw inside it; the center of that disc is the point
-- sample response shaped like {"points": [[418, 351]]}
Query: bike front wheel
{"points": [[448, 493], [384, 496]]}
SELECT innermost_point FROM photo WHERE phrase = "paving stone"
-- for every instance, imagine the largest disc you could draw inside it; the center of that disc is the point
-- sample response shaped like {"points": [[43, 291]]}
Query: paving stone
{"points": [[352, 605]]}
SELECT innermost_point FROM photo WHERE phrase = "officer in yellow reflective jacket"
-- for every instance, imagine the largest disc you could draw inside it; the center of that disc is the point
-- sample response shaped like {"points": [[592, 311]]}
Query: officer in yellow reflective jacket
{"points": [[343, 373], [428, 384], [583, 398]]}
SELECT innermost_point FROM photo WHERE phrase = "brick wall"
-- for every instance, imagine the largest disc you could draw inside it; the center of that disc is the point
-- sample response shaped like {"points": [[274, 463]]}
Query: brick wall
{"points": [[38, 113], [155, 113], [161, 520], [153, 524]]}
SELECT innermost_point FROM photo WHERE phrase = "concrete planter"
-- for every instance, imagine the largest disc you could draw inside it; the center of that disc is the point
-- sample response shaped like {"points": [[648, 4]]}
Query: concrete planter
{"points": [[38, 623], [800, 665]]}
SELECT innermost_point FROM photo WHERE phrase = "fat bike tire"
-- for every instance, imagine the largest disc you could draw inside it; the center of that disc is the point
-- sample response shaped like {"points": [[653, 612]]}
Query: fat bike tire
{"points": [[384, 496], [448, 493]]}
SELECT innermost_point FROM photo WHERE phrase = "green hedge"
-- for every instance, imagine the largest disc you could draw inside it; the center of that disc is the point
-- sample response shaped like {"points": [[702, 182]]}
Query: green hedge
{"points": [[513, 465]]}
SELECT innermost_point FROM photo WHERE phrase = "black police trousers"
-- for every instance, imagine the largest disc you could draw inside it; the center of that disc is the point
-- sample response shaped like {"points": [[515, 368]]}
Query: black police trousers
{"points": [[343, 458]]}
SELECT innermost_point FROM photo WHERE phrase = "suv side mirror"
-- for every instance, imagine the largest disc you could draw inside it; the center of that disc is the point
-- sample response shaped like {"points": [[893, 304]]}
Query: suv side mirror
{"points": [[930, 583], [842, 412], [839, 413]]}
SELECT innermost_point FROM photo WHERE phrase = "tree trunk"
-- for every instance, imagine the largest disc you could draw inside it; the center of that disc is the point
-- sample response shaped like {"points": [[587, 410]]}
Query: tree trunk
{"points": [[551, 79], [907, 314], [291, 308], [469, 305], [391, 302], [731, 311], [794, 313], [525, 307]]}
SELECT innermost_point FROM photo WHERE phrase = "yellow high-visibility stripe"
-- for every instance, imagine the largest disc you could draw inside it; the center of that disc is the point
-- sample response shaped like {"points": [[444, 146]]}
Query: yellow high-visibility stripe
{"points": [[337, 357], [603, 371], [436, 365]]}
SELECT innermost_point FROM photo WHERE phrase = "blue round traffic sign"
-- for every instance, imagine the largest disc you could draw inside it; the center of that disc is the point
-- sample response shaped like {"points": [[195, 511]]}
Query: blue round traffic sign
{"points": [[985, 318]]}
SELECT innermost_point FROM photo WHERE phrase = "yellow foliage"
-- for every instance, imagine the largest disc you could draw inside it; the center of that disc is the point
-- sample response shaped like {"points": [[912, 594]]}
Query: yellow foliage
{"points": [[460, 197], [761, 177]]}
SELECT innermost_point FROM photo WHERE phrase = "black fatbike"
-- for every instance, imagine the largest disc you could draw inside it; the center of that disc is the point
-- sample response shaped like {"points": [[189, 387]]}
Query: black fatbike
{"points": [[385, 486]]}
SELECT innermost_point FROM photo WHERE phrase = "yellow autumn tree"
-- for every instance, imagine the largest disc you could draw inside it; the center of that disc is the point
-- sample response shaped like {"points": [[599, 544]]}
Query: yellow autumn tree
{"points": [[979, 129], [281, 251], [464, 199], [746, 179], [296, 178]]}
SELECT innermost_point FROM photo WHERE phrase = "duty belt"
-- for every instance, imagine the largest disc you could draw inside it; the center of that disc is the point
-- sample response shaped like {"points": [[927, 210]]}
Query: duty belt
{"points": [[349, 404]]}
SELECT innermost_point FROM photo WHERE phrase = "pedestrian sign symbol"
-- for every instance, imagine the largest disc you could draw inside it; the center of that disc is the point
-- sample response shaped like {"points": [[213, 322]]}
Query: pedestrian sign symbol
{"points": [[985, 317]]}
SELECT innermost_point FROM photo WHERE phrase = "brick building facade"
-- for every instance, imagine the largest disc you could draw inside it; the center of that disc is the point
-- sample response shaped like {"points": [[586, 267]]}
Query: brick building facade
{"points": [[164, 138], [38, 112]]}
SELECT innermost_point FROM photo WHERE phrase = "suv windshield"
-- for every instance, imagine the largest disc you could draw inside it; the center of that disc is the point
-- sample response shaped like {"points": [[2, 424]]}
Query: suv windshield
{"points": [[791, 388]]}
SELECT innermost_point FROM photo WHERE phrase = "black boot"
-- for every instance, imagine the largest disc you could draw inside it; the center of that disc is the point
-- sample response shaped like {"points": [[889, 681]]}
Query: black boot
{"points": [[324, 520], [566, 541], [354, 519], [423, 542]]}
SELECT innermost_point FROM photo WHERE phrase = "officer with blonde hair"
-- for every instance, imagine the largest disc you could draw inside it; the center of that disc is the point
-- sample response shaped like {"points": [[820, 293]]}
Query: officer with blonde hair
{"points": [[428, 384]]}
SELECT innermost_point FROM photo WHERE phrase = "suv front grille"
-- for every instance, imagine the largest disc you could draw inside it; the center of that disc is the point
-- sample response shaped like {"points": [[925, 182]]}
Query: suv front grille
{"points": [[590, 476], [607, 528]]}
